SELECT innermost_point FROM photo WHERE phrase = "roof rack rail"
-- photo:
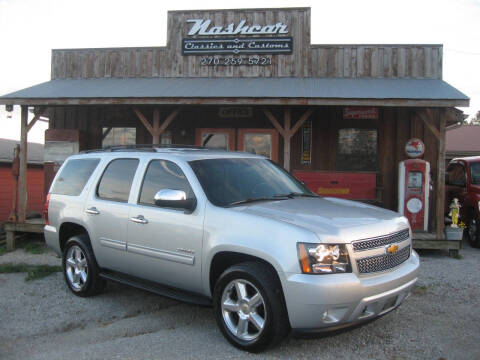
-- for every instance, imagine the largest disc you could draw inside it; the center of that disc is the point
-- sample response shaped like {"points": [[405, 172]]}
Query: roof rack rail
{"points": [[144, 147]]}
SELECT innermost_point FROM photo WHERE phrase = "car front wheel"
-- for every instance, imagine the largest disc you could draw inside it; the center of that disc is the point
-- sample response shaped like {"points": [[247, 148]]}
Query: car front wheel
{"points": [[249, 306]]}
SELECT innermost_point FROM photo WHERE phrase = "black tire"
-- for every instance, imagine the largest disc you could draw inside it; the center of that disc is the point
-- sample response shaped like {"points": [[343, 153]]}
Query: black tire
{"points": [[89, 285], [472, 231], [260, 278]]}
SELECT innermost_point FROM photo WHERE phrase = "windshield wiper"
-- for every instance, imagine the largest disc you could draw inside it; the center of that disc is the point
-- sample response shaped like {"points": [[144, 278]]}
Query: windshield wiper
{"points": [[295, 194], [248, 201]]}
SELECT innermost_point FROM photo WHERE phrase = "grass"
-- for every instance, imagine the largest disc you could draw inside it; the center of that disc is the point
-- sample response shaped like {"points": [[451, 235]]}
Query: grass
{"points": [[33, 271], [34, 247]]}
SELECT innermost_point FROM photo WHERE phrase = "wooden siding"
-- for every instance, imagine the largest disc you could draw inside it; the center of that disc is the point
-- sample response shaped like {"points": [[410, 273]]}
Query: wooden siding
{"points": [[35, 190], [349, 61]]}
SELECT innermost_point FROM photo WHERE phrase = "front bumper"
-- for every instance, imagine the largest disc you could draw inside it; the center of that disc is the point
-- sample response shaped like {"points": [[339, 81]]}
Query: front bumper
{"points": [[328, 302]]}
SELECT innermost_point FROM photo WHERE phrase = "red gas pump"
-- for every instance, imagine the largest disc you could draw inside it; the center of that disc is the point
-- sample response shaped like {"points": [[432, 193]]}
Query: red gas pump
{"points": [[413, 192]]}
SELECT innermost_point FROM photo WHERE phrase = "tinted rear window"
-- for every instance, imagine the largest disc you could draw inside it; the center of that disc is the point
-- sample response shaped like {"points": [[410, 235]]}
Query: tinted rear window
{"points": [[74, 176], [117, 180]]}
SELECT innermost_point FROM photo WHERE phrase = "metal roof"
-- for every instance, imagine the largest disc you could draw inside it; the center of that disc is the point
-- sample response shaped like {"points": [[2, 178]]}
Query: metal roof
{"points": [[34, 151], [234, 89]]}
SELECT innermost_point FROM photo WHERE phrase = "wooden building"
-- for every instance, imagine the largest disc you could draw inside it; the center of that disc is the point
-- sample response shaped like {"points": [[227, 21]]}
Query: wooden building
{"points": [[338, 116], [35, 178]]}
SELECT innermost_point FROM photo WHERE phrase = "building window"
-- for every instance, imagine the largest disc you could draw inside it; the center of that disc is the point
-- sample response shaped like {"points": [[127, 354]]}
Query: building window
{"points": [[357, 149], [113, 136]]}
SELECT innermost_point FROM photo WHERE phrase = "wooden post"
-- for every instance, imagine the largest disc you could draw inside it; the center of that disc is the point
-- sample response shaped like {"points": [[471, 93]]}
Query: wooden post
{"points": [[287, 131], [287, 139], [10, 240], [156, 130], [22, 189], [156, 126], [440, 193]]}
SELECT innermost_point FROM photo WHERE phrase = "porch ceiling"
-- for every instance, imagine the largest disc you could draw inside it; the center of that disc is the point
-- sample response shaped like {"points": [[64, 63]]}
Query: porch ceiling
{"points": [[248, 91]]}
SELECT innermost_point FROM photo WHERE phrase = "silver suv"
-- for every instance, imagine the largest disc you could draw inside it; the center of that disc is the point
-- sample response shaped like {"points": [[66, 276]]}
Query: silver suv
{"points": [[232, 230]]}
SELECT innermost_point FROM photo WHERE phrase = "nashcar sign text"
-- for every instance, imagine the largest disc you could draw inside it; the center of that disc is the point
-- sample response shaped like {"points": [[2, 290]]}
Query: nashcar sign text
{"points": [[202, 27]]}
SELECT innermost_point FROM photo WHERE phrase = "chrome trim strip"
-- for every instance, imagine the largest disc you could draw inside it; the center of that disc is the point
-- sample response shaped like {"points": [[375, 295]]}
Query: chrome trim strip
{"points": [[114, 244], [161, 254]]}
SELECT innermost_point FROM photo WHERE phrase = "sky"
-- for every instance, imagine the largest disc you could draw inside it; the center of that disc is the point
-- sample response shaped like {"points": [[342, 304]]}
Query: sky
{"points": [[29, 29]]}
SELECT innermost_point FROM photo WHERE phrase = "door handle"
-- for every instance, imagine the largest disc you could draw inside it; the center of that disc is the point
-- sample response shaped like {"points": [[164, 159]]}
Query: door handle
{"points": [[92, 210], [139, 219]]}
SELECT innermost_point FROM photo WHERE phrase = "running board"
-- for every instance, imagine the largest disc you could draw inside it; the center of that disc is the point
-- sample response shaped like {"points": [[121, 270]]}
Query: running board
{"points": [[156, 288]]}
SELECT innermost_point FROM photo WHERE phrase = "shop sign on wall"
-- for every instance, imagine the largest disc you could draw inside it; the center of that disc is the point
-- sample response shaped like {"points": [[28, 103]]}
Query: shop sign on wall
{"points": [[360, 112], [414, 148], [307, 143], [236, 39], [235, 112]]}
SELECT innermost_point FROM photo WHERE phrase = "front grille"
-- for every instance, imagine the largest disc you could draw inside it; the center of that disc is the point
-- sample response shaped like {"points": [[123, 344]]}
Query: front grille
{"points": [[381, 241], [382, 262]]}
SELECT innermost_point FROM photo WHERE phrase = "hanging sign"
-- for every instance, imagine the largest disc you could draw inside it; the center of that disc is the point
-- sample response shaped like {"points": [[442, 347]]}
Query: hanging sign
{"points": [[307, 143], [360, 112], [414, 148]]}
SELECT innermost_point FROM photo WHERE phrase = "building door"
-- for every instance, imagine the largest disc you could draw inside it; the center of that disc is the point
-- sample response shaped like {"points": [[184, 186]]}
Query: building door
{"points": [[216, 138], [256, 141], [259, 141]]}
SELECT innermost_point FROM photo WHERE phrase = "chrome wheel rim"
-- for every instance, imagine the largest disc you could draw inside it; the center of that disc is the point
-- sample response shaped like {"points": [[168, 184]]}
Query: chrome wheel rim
{"points": [[243, 310], [76, 268]]}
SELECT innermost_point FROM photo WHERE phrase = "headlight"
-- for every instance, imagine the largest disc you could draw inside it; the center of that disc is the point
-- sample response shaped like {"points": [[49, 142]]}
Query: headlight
{"points": [[323, 258]]}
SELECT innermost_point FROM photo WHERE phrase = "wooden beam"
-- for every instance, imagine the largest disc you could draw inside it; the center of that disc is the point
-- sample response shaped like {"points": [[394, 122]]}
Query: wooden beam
{"points": [[22, 181], [168, 121], [440, 191], [274, 122], [106, 132], [287, 139], [32, 122], [301, 121], [426, 117], [156, 125], [144, 120]]}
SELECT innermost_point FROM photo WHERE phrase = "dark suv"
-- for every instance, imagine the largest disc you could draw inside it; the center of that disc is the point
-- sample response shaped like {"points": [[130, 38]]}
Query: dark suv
{"points": [[463, 183]]}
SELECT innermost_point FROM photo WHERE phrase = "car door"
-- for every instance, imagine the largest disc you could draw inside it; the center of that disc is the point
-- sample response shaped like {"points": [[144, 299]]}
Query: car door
{"points": [[107, 211], [165, 244]]}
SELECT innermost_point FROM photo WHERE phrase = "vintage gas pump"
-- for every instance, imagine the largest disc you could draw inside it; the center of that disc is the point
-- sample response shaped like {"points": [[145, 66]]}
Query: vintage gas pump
{"points": [[413, 192]]}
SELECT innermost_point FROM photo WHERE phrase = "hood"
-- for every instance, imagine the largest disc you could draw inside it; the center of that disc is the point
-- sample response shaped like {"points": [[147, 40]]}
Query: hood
{"points": [[331, 219]]}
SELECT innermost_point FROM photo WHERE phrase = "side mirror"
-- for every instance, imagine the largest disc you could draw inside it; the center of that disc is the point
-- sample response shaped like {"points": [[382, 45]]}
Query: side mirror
{"points": [[175, 199]]}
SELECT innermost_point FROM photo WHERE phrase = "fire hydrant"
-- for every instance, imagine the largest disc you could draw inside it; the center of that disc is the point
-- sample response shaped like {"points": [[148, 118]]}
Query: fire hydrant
{"points": [[454, 212]]}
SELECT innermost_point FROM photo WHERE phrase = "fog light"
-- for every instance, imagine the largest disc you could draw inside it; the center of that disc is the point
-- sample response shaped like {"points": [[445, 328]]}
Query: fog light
{"points": [[334, 315]]}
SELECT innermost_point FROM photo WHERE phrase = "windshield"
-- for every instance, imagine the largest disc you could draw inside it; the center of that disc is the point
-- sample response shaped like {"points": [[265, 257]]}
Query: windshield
{"points": [[231, 181], [475, 173]]}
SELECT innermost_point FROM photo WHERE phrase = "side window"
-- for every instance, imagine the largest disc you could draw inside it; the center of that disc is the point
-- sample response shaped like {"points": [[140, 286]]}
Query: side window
{"points": [[357, 149], [117, 180], [163, 174], [74, 176], [456, 175]]}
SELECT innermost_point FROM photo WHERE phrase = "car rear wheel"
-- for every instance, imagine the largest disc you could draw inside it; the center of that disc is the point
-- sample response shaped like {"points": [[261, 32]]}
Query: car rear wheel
{"points": [[472, 231], [249, 307], [80, 268]]}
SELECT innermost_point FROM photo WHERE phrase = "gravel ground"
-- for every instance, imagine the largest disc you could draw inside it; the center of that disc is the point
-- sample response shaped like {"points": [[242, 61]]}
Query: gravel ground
{"points": [[41, 319]]}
